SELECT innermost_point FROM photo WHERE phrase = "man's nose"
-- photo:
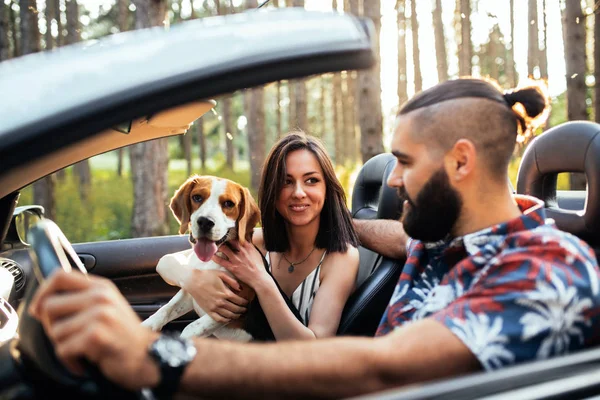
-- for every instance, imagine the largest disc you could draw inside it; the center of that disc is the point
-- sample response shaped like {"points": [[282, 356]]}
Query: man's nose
{"points": [[395, 180]]}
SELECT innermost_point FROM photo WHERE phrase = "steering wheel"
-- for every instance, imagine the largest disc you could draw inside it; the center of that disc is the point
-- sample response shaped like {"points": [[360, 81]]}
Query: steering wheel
{"points": [[35, 356]]}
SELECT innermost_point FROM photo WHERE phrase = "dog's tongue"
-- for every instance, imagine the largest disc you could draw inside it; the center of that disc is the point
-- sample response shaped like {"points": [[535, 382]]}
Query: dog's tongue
{"points": [[205, 249]]}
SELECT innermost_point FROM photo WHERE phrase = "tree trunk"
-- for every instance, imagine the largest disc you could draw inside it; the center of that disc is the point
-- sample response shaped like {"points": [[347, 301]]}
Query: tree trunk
{"points": [[511, 72], [255, 113], [123, 27], [49, 16], [123, 15], [337, 118], [228, 132], [43, 195], [440, 42], [201, 142], [300, 92], [495, 52], [277, 4], [575, 60], [345, 119], [352, 134], [82, 168], [414, 27], [278, 110], [402, 69], [187, 150], [4, 29], [12, 20], [465, 46], [226, 122], [322, 118], [300, 106], [30, 35], [43, 189], [57, 17], [349, 104], [370, 113], [532, 38], [149, 160], [254, 105], [292, 123], [543, 54]]}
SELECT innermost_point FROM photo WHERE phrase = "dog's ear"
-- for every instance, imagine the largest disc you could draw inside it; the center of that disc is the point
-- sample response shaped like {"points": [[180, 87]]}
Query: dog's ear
{"points": [[249, 217], [181, 204]]}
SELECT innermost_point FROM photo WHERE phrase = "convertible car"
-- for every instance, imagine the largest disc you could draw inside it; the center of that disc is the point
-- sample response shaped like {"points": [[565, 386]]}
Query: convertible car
{"points": [[69, 105]]}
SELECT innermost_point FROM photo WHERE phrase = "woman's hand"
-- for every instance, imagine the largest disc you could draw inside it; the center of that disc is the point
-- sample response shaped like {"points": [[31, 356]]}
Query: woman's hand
{"points": [[86, 316], [214, 292], [243, 261]]}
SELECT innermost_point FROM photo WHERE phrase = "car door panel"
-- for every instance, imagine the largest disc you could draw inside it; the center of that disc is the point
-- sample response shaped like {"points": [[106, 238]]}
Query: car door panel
{"points": [[131, 265]]}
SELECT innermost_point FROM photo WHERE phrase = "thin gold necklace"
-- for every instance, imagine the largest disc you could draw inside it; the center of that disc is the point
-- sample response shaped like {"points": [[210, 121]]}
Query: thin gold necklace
{"points": [[293, 264]]}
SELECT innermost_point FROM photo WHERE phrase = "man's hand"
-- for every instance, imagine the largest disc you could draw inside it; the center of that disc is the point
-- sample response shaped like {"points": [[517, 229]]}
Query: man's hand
{"points": [[214, 292], [86, 316]]}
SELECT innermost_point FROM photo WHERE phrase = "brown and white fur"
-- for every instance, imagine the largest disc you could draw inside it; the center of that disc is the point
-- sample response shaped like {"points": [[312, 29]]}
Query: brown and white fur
{"points": [[215, 211]]}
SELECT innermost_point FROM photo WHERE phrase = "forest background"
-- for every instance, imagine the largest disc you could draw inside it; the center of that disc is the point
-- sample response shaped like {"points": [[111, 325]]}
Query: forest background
{"points": [[420, 44]]}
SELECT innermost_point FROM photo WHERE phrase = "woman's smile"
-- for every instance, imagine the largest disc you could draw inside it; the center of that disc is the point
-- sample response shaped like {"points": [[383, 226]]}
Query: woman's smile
{"points": [[299, 207]]}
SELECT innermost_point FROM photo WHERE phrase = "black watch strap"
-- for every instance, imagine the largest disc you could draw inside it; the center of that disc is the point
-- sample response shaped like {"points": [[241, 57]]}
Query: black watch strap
{"points": [[172, 355]]}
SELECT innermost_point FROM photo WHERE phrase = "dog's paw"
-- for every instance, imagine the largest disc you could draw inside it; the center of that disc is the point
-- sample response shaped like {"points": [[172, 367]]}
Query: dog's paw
{"points": [[187, 333], [152, 325]]}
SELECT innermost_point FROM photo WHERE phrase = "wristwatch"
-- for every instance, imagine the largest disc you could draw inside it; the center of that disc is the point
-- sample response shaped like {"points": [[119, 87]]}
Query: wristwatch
{"points": [[173, 354]]}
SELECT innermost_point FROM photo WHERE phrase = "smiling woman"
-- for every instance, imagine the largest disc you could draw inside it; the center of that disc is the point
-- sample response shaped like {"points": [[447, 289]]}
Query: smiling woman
{"points": [[307, 241]]}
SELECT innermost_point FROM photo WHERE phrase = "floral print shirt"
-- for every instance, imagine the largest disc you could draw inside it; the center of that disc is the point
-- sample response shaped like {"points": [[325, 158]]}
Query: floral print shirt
{"points": [[514, 292]]}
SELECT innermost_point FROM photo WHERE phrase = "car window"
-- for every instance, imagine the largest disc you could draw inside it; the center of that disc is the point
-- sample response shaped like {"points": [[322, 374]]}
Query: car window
{"points": [[93, 200]]}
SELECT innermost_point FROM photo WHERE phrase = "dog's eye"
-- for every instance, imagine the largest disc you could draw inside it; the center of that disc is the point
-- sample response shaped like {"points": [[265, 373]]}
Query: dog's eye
{"points": [[228, 204], [197, 198]]}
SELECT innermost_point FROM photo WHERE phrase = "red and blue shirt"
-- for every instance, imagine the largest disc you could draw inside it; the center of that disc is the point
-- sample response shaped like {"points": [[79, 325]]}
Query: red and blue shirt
{"points": [[514, 292]]}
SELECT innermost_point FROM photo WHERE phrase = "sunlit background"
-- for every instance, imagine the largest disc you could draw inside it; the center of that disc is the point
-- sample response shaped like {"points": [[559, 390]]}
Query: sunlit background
{"points": [[484, 16]]}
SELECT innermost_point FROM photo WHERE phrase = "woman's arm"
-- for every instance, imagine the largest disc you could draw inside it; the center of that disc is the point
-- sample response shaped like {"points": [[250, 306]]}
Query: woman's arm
{"points": [[246, 264], [339, 278], [338, 282]]}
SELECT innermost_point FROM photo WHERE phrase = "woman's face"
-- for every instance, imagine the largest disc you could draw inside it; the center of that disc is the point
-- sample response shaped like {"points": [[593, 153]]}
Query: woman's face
{"points": [[302, 196]]}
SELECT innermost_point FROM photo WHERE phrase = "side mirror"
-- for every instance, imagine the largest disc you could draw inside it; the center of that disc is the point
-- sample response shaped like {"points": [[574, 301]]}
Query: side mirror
{"points": [[23, 219]]}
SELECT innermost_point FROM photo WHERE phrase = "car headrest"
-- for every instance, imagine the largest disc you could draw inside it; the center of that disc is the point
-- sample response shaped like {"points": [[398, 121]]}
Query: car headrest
{"points": [[569, 147], [372, 198]]}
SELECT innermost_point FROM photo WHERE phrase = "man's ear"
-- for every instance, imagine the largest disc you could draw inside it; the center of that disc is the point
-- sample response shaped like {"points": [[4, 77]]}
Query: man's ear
{"points": [[181, 204], [461, 160], [249, 216]]}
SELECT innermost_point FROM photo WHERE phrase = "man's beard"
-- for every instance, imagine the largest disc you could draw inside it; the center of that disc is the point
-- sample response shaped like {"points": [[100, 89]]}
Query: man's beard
{"points": [[434, 213]]}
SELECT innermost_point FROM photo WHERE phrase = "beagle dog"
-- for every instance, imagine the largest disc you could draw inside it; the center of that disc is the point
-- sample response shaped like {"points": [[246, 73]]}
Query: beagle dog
{"points": [[214, 210]]}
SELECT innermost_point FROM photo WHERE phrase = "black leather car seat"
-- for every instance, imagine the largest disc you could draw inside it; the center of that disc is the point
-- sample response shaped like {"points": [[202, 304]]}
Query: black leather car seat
{"points": [[569, 147], [377, 275]]}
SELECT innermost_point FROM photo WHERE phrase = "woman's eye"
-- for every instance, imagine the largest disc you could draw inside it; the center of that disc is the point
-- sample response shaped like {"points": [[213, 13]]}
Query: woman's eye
{"points": [[287, 182], [197, 198], [312, 180], [228, 204]]}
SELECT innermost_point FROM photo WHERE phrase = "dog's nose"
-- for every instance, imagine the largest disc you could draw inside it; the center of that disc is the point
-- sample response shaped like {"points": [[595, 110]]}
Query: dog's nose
{"points": [[205, 224]]}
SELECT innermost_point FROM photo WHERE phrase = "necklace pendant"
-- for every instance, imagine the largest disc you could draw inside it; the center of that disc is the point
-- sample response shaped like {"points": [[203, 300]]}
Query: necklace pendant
{"points": [[291, 268]]}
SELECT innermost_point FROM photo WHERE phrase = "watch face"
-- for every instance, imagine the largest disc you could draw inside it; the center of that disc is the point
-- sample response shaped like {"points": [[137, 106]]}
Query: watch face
{"points": [[175, 351]]}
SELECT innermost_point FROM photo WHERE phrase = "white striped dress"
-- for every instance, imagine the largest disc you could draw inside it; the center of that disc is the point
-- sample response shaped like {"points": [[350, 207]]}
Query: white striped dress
{"points": [[304, 295]]}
